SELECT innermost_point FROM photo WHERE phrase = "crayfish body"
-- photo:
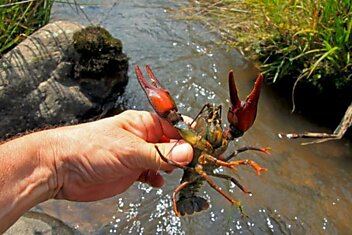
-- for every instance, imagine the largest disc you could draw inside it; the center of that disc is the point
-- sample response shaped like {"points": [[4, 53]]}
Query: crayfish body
{"points": [[209, 140]]}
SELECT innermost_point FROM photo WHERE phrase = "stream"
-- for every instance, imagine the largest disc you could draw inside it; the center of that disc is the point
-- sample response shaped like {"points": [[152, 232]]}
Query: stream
{"points": [[306, 190]]}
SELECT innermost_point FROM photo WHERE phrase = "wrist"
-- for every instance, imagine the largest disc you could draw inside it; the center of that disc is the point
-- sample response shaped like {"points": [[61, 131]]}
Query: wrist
{"points": [[47, 152], [27, 175]]}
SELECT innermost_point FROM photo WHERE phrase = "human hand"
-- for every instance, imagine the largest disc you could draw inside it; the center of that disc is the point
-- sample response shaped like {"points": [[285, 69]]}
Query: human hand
{"points": [[100, 159]]}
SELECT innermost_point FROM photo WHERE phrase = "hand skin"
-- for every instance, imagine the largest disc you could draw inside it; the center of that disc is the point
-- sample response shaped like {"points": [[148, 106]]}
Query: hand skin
{"points": [[85, 162]]}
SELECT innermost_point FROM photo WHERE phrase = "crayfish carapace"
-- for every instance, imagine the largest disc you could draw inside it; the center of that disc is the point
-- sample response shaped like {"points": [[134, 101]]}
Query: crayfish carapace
{"points": [[208, 138]]}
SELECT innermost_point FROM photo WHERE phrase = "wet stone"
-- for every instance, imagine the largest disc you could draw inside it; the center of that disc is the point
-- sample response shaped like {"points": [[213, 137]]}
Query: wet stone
{"points": [[39, 223]]}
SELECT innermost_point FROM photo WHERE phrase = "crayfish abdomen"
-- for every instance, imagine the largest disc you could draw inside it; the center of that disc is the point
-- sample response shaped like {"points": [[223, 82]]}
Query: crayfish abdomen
{"points": [[188, 202], [208, 138]]}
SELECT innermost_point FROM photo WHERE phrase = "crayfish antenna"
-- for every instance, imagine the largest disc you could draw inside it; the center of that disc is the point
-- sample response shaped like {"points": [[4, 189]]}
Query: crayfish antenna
{"points": [[169, 161]]}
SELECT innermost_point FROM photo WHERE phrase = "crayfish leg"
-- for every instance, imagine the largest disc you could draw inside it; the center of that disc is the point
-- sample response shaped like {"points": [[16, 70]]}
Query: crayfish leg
{"points": [[205, 158], [246, 148], [252, 163], [202, 173], [208, 158], [177, 190], [233, 180]]}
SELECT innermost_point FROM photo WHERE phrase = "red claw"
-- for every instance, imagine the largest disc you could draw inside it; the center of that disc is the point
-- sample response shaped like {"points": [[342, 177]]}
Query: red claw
{"points": [[242, 114], [159, 97]]}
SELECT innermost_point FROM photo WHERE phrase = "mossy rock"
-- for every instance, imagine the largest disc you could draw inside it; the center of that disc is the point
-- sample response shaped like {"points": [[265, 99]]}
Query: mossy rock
{"points": [[100, 53]]}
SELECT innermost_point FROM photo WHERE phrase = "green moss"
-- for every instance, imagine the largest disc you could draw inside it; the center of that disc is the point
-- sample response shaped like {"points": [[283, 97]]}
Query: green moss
{"points": [[100, 53], [95, 39]]}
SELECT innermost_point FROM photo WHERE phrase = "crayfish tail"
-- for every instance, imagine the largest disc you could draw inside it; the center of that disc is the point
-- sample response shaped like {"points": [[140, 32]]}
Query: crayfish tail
{"points": [[191, 205]]}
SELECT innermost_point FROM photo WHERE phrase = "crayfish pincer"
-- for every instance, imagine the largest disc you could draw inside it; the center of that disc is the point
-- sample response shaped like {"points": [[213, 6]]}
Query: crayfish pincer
{"points": [[208, 138]]}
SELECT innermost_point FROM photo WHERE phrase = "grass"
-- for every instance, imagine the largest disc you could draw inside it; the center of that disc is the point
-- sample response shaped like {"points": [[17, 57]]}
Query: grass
{"points": [[306, 41], [18, 19]]}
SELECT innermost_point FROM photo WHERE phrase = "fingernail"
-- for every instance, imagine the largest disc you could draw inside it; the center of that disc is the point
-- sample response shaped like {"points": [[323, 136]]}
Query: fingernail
{"points": [[182, 153]]}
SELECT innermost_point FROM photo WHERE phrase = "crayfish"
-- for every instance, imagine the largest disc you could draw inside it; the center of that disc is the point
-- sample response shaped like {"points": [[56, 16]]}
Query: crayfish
{"points": [[208, 139]]}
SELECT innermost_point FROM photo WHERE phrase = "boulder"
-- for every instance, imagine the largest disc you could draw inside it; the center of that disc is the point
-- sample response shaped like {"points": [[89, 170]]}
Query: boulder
{"points": [[64, 73]]}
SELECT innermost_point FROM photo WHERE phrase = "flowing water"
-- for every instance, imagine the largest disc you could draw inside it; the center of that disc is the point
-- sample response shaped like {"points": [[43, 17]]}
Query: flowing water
{"points": [[307, 189]]}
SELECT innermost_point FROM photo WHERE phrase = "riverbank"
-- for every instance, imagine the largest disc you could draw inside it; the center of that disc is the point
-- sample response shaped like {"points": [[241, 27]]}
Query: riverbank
{"points": [[302, 47]]}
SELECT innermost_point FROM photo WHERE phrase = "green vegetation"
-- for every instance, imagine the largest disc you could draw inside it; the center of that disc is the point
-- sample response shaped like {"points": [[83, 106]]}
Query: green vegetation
{"points": [[293, 40], [18, 19], [100, 53]]}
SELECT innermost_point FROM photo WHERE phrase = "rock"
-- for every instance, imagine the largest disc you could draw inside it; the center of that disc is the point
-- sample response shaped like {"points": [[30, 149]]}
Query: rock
{"points": [[56, 77], [39, 223]]}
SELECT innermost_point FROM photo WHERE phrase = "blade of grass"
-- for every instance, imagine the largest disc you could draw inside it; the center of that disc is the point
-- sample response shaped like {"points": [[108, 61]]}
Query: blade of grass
{"points": [[315, 65]]}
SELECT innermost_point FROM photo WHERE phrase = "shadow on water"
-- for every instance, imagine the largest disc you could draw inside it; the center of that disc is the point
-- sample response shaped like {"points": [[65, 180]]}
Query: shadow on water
{"points": [[307, 190]]}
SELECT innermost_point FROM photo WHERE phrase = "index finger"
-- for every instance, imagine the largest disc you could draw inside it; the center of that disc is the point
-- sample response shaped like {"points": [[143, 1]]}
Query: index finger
{"points": [[148, 126]]}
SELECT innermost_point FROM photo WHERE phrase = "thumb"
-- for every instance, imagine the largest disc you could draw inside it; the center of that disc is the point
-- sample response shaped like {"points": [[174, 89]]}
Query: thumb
{"points": [[181, 153]]}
